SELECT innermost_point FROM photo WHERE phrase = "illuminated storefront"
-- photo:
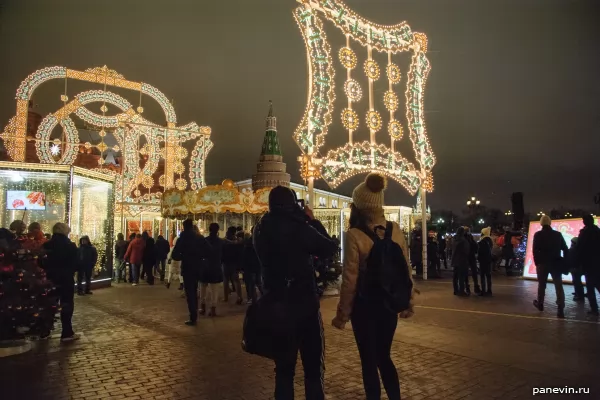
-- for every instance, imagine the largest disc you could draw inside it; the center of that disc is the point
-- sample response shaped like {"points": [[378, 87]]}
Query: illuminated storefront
{"points": [[48, 194]]}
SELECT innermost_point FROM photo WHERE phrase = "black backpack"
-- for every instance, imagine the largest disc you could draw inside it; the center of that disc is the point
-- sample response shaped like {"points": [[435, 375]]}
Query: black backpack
{"points": [[385, 280]]}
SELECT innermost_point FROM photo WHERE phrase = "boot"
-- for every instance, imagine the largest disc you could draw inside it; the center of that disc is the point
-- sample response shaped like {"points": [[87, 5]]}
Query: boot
{"points": [[538, 305], [560, 313], [477, 289], [202, 310], [212, 312], [168, 285], [180, 286]]}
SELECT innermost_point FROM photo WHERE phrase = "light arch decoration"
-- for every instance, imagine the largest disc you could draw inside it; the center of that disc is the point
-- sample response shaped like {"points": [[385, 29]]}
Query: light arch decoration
{"points": [[127, 127], [354, 157]]}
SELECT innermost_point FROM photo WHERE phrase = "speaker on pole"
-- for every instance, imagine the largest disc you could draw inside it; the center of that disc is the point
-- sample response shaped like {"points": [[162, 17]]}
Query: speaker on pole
{"points": [[518, 210]]}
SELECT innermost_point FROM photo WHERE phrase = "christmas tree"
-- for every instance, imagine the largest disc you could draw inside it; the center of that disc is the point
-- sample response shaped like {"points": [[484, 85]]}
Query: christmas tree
{"points": [[27, 302]]}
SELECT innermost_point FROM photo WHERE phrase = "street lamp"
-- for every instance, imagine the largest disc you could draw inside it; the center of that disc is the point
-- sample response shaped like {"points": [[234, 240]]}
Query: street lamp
{"points": [[508, 213], [473, 202], [568, 215], [440, 221], [481, 221], [540, 214]]}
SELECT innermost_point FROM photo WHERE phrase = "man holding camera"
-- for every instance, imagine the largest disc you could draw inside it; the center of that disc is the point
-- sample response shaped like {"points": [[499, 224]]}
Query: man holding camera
{"points": [[286, 239]]}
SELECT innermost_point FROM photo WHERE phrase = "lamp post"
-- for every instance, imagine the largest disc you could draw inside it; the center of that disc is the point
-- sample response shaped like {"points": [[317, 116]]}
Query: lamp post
{"points": [[472, 204], [541, 214]]}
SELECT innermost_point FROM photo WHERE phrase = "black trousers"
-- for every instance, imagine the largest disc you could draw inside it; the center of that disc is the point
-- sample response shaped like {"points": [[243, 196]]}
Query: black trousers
{"points": [[459, 277], [485, 269], [374, 329], [577, 284], [84, 273], [190, 285], [474, 273], [148, 271], [310, 342], [66, 294], [593, 283]]}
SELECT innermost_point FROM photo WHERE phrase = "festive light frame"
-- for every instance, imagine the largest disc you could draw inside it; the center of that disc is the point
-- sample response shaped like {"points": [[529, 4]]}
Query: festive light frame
{"points": [[128, 127], [355, 158]]}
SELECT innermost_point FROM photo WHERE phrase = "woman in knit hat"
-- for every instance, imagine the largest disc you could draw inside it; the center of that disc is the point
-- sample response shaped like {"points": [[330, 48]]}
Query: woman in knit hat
{"points": [[374, 327]]}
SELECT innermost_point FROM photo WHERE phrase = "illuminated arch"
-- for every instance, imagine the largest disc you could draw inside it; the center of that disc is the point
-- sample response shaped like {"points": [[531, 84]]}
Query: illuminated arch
{"points": [[355, 158], [127, 127]]}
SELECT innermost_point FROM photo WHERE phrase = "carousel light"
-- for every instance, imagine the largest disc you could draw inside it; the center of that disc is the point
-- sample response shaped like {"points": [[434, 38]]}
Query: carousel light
{"points": [[395, 129], [55, 150]]}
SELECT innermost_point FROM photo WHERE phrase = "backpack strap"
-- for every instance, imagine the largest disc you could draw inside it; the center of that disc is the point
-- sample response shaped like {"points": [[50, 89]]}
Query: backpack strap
{"points": [[389, 227]]}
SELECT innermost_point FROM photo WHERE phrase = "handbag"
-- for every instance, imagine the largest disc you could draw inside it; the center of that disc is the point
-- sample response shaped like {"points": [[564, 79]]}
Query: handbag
{"points": [[268, 326]]}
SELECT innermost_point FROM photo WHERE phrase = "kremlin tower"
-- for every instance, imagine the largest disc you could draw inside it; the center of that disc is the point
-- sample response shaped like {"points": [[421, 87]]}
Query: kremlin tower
{"points": [[270, 171]]}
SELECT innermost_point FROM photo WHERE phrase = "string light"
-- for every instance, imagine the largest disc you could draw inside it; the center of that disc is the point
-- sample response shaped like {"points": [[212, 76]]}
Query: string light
{"points": [[374, 121], [372, 70], [390, 100], [347, 57], [352, 159], [349, 119], [395, 129], [353, 90]]}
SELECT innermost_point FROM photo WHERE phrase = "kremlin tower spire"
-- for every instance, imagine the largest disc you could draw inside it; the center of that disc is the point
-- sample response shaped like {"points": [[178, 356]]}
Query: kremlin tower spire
{"points": [[271, 170]]}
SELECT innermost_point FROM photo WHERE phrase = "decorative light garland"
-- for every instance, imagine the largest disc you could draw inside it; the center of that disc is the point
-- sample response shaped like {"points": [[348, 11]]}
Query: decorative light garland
{"points": [[361, 158]]}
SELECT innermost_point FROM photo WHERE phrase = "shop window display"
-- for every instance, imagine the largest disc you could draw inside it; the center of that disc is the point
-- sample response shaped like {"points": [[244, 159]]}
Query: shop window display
{"points": [[91, 215], [33, 196]]}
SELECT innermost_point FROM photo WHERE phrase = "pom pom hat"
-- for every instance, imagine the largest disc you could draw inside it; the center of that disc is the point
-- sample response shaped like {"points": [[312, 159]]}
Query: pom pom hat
{"points": [[369, 194]]}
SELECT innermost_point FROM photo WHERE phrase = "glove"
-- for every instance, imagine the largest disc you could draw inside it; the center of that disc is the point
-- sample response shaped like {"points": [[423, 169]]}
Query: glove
{"points": [[407, 313], [338, 323]]}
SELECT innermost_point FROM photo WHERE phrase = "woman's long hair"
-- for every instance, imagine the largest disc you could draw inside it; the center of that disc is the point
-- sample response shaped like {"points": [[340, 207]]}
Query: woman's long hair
{"points": [[358, 219]]}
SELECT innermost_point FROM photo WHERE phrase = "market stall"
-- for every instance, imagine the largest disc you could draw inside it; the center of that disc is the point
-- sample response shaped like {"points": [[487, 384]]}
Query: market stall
{"points": [[51, 193]]}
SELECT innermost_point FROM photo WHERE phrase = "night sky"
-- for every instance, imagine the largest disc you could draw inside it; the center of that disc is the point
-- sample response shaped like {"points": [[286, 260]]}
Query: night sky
{"points": [[511, 102]]}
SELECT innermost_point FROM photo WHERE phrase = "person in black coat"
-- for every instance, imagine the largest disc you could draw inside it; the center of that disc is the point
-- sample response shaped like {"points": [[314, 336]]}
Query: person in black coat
{"points": [[252, 273], [120, 250], [212, 274], [87, 256], [472, 263], [460, 261], [194, 252], [149, 258], [547, 247], [162, 251], [576, 272], [433, 260], [232, 259], [588, 256], [442, 249], [286, 239], [484, 256], [60, 264]]}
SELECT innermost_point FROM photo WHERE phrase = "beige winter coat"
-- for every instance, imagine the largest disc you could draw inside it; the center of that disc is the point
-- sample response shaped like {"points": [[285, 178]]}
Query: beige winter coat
{"points": [[357, 246]]}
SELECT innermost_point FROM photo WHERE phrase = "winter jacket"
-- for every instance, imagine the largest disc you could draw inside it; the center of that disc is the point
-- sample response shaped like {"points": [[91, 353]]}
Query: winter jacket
{"points": [[87, 256], [250, 261], [193, 251], [461, 250], [149, 257], [432, 249], [588, 250], [472, 250], [285, 243], [135, 251], [484, 250], [233, 249], [60, 260], [162, 249], [213, 270], [120, 249], [357, 246], [547, 245]]}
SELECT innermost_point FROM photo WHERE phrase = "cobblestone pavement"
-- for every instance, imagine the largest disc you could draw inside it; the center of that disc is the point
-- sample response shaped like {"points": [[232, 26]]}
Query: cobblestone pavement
{"points": [[134, 346]]}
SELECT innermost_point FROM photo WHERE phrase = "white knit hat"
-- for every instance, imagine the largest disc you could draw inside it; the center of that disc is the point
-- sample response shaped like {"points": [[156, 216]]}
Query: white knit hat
{"points": [[369, 194], [545, 220]]}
